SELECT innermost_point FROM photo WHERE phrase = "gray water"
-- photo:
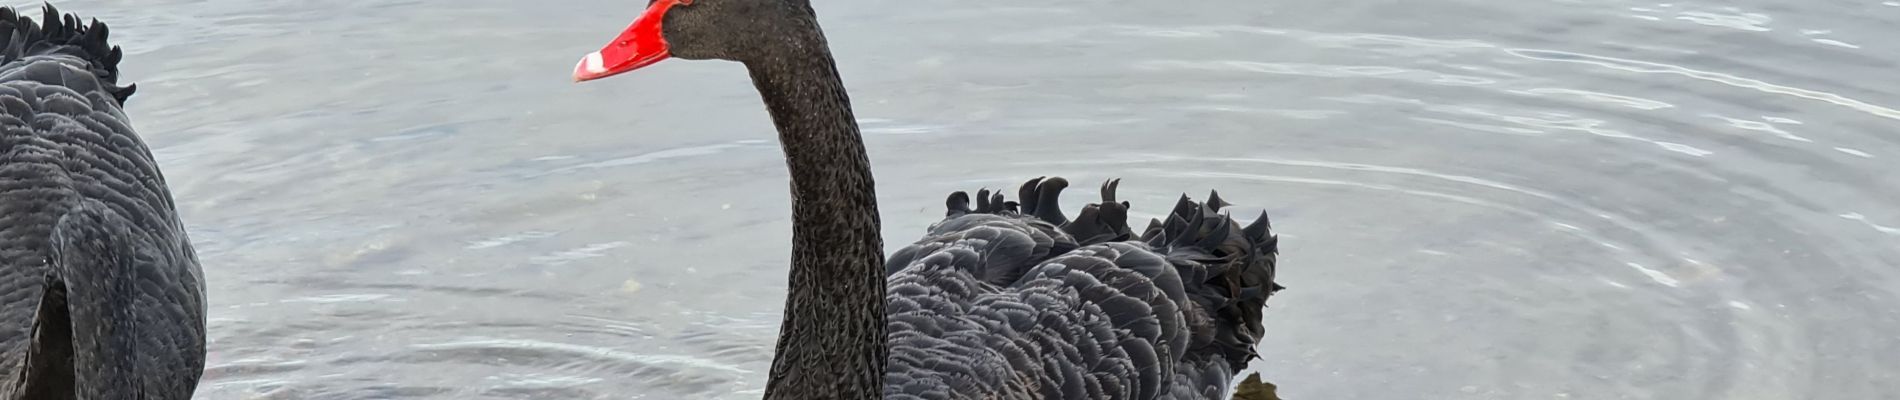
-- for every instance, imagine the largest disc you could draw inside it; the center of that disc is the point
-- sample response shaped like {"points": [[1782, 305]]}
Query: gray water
{"points": [[1478, 199]]}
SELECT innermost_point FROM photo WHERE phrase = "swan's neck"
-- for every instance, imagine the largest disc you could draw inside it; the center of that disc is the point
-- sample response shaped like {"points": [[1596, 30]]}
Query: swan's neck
{"points": [[831, 344]]}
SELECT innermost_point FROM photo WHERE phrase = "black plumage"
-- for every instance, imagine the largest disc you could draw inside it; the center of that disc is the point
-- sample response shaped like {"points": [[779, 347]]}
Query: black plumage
{"points": [[101, 295], [1004, 301]]}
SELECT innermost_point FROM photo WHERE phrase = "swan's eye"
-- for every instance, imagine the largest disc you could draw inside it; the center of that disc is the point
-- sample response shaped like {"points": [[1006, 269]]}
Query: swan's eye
{"points": [[685, 2]]}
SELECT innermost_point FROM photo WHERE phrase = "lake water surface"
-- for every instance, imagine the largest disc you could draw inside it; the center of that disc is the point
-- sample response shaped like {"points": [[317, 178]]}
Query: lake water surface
{"points": [[399, 199]]}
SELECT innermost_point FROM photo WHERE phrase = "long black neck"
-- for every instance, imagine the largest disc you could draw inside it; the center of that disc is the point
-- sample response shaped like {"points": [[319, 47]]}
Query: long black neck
{"points": [[831, 344]]}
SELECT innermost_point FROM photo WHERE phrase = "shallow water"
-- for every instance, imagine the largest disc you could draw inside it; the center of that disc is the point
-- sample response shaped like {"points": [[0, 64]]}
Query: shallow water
{"points": [[1485, 200]]}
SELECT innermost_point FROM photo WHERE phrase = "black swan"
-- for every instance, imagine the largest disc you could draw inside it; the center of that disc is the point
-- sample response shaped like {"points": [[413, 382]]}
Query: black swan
{"points": [[101, 295], [1000, 300]]}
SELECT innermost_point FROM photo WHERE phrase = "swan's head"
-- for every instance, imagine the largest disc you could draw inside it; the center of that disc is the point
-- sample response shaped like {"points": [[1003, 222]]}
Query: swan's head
{"points": [[737, 30]]}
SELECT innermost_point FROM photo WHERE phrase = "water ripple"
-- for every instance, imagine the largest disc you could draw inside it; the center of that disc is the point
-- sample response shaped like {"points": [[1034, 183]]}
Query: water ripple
{"points": [[1726, 79]]}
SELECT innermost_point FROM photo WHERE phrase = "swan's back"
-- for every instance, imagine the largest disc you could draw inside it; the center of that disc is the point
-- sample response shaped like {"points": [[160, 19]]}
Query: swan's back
{"points": [[1012, 299], [99, 288]]}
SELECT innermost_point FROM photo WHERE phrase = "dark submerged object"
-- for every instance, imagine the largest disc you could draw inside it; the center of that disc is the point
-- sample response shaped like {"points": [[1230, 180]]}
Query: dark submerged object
{"points": [[1253, 388], [1000, 300], [101, 295]]}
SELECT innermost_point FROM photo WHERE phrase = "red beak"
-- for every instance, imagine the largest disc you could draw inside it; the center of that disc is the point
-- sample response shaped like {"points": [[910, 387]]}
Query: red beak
{"points": [[639, 46]]}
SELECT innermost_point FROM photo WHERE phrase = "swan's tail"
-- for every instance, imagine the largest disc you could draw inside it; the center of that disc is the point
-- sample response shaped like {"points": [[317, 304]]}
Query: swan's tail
{"points": [[111, 320], [1228, 271]]}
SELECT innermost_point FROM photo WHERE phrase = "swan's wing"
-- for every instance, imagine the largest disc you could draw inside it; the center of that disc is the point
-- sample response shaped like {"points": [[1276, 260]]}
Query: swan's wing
{"points": [[1116, 319], [1007, 239], [1103, 222], [1087, 324]]}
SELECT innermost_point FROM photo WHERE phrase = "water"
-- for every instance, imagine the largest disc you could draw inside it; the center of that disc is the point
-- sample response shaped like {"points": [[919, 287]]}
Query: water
{"points": [[1479, 200]]}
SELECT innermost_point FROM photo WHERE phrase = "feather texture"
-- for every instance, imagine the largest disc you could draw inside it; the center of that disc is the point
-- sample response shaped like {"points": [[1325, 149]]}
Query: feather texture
{"points": [[101, 295], [1014, 300]]}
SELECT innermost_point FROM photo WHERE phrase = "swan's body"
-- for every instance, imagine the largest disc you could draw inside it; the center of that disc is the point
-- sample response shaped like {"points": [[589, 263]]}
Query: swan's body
{"points": [[101, 296], [1003, 300], [997, 302]]}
